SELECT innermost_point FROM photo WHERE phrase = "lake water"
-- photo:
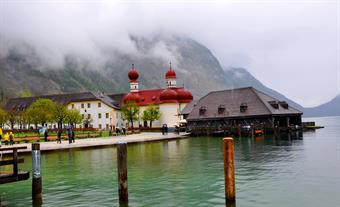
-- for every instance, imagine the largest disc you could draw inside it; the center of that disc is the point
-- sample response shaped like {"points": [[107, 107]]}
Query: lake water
{"points": [[189, 172]]}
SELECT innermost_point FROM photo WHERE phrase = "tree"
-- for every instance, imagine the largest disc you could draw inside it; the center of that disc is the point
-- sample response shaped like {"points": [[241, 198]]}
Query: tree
{"points": [[40, 112], [73, 117], [12, 118], [60, 113], [3, 117], [151, 114], [130, 112], [24, 93]]}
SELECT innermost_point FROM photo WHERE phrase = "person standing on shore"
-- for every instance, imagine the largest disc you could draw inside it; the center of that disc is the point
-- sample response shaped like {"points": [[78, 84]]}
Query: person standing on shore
{"points": [[73, 135], [45, 135], [0, 136], [59, 136], [6, 138], [69, 134], [11, 138]]}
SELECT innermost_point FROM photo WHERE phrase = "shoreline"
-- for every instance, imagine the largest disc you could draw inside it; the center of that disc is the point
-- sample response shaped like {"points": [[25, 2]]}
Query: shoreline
{"points": [[97, 142]]}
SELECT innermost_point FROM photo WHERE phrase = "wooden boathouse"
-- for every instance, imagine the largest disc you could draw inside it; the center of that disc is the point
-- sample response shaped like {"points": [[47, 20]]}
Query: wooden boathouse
{"points": [[240, 110]]}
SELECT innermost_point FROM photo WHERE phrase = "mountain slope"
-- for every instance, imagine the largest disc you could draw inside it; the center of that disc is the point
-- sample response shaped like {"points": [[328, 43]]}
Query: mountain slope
{"points": [[194, 64], [331, 108], [240, 77]]}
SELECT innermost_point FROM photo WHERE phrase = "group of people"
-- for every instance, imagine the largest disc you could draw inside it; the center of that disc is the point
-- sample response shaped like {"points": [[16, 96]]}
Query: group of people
{"points": [[69, 132], [120, 131], [8, 138], [70, 135]]}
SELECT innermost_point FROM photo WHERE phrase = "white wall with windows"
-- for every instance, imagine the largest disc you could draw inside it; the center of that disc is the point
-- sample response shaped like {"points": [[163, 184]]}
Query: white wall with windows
{"points": [[99, 114]]}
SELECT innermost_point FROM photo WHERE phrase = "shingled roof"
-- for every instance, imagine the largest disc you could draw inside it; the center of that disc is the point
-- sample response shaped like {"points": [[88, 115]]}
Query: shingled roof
{"points": [[22, 104], [241, 102]]}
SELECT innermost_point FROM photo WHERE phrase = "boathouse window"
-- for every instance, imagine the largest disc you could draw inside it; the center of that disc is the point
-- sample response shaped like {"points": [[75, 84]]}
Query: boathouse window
{"points": [[99, 115], [283, 104], [82, 105], [107, 115], [99, 126], [72, 106], [88, 105], [203, 109], [99, 104], [243, 107], [221, 109], [274, 104]]}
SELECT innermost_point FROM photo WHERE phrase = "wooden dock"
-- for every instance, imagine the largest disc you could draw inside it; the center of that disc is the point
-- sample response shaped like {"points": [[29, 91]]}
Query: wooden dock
{"points": [[15, 175]]}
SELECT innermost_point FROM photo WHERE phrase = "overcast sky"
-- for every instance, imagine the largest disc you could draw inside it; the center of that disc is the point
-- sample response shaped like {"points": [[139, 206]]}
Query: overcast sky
{"points": [[290, 46]]}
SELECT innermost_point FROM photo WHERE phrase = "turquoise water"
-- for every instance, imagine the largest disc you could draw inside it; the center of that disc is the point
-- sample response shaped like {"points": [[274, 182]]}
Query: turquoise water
{"points": [[189, 172]]}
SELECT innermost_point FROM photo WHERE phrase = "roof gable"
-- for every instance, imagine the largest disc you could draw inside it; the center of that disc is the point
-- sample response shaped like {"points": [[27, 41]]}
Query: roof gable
{"points": [[239, 102], [24, 103]]}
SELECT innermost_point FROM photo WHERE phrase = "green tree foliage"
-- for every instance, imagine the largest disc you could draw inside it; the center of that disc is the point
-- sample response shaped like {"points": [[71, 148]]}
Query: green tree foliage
{"points": [[3, 117], [73, 117], [151, 114], [41, 112], [130, 112], [60, 113], [12, 118], [24, 93]]}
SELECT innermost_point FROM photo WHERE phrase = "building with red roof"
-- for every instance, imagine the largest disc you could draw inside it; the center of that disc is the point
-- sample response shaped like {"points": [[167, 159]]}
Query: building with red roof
{"points": [[171, 100]]}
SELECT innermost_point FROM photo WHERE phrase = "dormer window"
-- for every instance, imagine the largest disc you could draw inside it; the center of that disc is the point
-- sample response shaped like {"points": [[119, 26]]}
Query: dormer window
{"points": [[283, 104], [203, 109], [274, 104], [243, 107], [221, 109]]}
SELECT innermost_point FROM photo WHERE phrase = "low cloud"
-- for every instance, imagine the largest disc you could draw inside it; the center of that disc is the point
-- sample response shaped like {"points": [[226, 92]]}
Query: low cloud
{"points": [[295, 42]]}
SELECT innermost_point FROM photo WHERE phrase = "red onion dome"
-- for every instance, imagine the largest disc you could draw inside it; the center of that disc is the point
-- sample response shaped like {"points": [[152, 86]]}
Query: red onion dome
{"points": [[184, 95], [133, 74], [168, 95], [132, 96], [170, 74]]}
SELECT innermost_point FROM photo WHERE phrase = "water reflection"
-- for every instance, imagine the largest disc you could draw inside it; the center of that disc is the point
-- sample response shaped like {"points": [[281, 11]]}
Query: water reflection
{"points": [[270, 171]]}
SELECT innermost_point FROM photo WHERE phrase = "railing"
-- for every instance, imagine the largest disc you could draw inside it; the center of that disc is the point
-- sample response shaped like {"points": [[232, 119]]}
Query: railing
{"points": [[15, 175]]}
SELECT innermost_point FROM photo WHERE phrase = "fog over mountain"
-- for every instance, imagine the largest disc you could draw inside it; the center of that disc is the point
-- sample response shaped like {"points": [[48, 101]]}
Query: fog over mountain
{"points": [[196, 67], [290, 47]]}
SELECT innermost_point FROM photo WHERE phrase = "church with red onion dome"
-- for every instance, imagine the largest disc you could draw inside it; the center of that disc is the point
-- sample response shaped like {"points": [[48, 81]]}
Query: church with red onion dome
{"points": [[171, 100]]}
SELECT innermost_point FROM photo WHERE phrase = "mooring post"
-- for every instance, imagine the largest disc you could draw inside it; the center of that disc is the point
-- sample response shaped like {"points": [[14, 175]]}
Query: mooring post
{"points": [[15, 162], [36, 175], [229, 174], [122, 172]]}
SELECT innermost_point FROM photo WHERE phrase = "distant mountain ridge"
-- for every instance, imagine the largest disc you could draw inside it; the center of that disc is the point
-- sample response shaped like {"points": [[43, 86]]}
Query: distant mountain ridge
{"points": [[331, 108]]}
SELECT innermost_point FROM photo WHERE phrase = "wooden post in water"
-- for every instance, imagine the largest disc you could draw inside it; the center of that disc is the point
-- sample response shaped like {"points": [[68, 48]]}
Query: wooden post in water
{"points": [[229, 174], [15, 162], [122, 173], [36, 175]]}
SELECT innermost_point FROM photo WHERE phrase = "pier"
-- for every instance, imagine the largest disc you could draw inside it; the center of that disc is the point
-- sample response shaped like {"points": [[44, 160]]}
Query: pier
{"points": [[15, 175], [99, 142]]}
